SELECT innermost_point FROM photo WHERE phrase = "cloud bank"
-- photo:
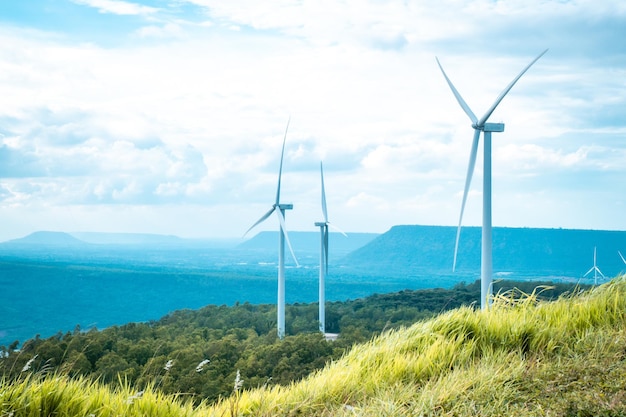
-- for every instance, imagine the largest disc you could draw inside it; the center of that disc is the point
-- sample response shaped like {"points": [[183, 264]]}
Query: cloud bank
{"points": [[168, 117]]}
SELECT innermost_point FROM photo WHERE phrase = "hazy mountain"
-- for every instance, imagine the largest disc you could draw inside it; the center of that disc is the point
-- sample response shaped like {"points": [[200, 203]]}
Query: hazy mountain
{"points": [[517, 250], [44, 238], [309, 242], [107, 284], [88, 239], [126, 238]]}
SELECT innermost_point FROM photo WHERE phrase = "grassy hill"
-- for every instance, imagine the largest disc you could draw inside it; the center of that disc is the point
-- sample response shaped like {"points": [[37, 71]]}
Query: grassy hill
{"points": [[522, 357]]}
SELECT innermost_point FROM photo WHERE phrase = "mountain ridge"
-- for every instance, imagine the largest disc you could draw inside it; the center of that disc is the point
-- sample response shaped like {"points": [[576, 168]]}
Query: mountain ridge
{"points": [[553, 251], [44, 237], [309, 241], [56, 238]]}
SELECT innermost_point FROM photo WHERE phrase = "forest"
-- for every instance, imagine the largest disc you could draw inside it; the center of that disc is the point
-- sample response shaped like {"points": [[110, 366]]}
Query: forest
{"points": [[200, 353]]}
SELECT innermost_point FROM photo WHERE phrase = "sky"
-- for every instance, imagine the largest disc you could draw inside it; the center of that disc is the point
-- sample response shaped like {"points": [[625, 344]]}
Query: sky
{"points": [[168, 116]]}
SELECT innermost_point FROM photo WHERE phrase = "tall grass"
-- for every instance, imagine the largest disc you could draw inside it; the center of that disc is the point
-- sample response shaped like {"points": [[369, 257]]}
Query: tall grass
{"points": [[521, 357], [486, 347], [62, 396]]}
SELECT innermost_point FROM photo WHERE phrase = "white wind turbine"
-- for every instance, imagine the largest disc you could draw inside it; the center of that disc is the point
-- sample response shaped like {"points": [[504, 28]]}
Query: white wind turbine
{"points": [[323, 256], [620, 255], [279, 209], [481, 125], [595, 269]]}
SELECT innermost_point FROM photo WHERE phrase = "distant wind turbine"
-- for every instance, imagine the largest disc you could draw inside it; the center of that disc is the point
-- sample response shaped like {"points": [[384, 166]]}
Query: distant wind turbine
{"points": [[620, 255], [324, 255], [481, 125], [279, 209], [595, 269]]}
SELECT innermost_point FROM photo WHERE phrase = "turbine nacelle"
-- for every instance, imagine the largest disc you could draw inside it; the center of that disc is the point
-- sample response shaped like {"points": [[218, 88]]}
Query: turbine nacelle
{"points": [[490, 127]]}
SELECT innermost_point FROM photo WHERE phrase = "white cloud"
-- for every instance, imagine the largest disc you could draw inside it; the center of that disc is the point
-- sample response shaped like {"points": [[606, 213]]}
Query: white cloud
{"points": [[192, 115], [166, 31], [118, 7]]}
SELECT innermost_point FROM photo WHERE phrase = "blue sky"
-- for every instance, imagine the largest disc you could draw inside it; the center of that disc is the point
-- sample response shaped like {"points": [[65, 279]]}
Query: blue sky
{"points": [[167, 116]]}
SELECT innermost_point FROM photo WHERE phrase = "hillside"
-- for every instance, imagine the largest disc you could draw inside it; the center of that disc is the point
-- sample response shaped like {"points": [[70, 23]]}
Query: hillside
{"points": [[522, 357], [519, 251]]}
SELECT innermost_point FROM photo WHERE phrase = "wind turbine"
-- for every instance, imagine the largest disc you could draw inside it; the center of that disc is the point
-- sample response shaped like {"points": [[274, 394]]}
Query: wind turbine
{"points": [[595, 269], [481, 125], [324, 255], [620, 255], [279, 209]]}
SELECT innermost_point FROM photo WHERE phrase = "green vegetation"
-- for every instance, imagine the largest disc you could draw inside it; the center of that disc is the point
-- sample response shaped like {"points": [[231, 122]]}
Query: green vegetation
{"points": [[226, 339], [522, 357]]}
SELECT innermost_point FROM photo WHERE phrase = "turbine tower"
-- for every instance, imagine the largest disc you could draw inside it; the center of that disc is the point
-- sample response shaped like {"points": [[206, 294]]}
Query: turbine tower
{"points": [[279, 208], [481, 125], [323, 256], [595, 268]]}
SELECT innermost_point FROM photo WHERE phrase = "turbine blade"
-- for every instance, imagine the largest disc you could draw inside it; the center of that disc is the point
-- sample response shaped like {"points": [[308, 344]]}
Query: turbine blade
{"points": [[468, 182], [592, 268], [280, 170], [462, 102], [326, 248], [336, 228], [283, 227], [324, 209], [620, 255], [261, 220], [600, 272], [504, 92]]}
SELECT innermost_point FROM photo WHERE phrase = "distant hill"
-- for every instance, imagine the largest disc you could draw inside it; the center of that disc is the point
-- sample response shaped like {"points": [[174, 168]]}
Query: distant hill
{"points": [[47, 239], [339, 244], [558, 252], [89, 239], [126, 238]]}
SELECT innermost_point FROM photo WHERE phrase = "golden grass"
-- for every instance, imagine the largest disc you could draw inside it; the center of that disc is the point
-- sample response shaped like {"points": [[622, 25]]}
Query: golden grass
{"points": [[464, 350], [521, 357], [60, 395]]}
